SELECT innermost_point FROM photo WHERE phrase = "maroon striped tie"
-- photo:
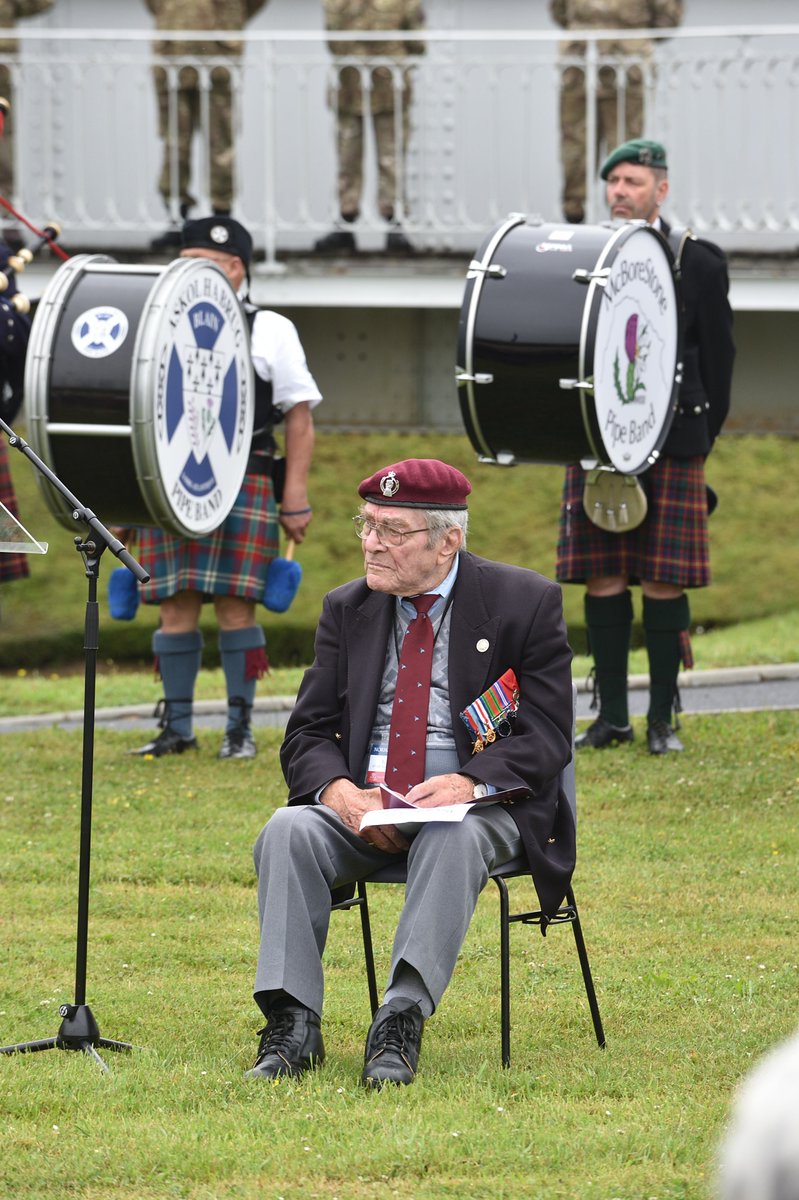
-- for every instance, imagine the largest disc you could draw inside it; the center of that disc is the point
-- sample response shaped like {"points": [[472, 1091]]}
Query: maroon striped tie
{"points": [[408, 737]]}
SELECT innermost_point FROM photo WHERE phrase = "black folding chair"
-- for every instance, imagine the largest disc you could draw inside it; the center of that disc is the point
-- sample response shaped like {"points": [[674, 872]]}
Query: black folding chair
{"points": [[567, 914]]}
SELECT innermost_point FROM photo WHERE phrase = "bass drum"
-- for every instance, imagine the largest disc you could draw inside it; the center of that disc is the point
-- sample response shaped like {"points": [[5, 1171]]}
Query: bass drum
{"points": [[139, 392], [569, 340]]}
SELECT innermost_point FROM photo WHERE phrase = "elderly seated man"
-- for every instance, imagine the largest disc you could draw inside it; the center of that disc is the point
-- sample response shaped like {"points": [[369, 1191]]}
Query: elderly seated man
{"points": [[404, 656]]}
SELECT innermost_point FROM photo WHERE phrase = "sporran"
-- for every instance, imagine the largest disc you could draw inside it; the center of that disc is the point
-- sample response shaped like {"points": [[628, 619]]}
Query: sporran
{"points": [[616, 503]]}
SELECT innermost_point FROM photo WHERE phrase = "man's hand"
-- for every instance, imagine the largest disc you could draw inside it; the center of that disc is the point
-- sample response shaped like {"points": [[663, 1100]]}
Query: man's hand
{"points": [[442, 789], [295, 527], [351, 802]]}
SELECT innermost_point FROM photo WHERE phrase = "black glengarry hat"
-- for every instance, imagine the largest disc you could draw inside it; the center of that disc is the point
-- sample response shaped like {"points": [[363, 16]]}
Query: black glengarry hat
{"points": [[218, 233]]}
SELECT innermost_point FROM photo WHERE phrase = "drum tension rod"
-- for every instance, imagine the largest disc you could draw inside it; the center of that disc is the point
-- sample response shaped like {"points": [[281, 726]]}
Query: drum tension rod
{"points": [[493, 269], [465, 377], [583, 276], [502, 458], [568, 385]]}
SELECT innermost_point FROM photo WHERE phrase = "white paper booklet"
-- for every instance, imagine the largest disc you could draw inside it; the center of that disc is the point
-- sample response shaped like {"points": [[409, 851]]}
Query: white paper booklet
{"points": [[399, 811]]}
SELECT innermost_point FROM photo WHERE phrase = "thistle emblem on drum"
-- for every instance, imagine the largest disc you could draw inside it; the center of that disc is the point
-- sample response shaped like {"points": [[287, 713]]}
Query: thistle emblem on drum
{"points": [[632, 389]]}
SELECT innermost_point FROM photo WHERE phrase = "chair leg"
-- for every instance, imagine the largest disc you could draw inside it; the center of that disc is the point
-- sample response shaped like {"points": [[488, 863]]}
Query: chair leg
{"points": [[582, 954], [504, 968], [368, 953]]}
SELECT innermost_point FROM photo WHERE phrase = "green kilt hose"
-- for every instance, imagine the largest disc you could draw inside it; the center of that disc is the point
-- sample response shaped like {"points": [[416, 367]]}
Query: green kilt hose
{"points": [[232, 561], [12, 566], [670, 546]]}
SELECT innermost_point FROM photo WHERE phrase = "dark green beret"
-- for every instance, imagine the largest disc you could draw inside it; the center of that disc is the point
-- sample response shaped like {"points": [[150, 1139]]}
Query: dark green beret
{"points": [[639, 151]]}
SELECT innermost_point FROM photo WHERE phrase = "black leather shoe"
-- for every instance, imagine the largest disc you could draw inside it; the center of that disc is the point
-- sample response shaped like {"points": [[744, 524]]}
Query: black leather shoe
{"points": [[392, 1044], [662, 739], [167, 742], [574, 213], [238, 743], [291, 1043], [397, 243], [340, 241], [601, 734]]}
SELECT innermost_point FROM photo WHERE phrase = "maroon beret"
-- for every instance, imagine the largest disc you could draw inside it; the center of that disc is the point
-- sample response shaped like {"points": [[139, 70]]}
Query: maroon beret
{"points": [[417, 483]]}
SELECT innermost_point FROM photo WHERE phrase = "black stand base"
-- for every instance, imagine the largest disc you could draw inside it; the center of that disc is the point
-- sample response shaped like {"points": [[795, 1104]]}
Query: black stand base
{"points": [[78, 1031]]}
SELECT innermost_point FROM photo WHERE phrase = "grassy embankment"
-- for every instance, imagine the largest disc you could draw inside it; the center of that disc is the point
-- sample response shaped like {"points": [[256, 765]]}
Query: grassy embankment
{"points": [[749, 615]]}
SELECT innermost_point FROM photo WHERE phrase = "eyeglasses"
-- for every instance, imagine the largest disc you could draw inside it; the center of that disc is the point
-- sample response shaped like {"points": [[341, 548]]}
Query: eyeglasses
{"points": [[387, 535]]}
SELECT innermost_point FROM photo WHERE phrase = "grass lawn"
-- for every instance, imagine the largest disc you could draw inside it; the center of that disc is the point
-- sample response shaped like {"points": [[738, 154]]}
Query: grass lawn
{"points": [[688, 889]]}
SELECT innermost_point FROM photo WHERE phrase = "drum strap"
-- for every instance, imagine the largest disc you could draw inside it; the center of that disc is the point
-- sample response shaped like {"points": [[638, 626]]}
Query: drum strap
{"points": [[677, 238], [267, 415]]}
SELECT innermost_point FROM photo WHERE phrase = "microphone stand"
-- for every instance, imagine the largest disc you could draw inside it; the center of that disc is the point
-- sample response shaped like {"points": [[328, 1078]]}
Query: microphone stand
{"points": [[79, 1029]]}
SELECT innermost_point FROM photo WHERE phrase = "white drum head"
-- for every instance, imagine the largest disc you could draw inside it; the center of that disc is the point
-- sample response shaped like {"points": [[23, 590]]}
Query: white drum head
{"points": [[636, 348], [192, 398]]}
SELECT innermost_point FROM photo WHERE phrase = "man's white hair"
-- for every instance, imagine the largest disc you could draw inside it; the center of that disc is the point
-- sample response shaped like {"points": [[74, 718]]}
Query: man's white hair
{"points": [[439, 520], [759, 1156]]}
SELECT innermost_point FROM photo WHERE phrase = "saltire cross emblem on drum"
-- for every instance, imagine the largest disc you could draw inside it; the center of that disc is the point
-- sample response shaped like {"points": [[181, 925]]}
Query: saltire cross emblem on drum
{"points": [[140, 392], [202, 395], [99, 332]]}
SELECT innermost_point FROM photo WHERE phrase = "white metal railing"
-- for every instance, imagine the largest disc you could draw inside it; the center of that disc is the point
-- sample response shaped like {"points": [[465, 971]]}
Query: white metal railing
{"points": [[484, 136]]}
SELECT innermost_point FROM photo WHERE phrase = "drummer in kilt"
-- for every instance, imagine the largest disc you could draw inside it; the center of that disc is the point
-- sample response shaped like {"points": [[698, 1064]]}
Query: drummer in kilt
{"points": [[669, 551], [229, 566]]}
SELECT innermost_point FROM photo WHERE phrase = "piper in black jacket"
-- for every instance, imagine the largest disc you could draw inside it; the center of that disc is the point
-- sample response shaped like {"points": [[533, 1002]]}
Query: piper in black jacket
{"points": [[669, 551], [16, 327]]}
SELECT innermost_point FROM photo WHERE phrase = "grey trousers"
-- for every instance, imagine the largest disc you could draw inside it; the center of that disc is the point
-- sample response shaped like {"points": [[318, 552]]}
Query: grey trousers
{"points": [[305, 851]]}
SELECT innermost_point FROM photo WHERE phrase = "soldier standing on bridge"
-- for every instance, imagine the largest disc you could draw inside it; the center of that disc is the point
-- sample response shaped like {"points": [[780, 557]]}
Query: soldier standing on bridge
{"points": [[180, 93], [386, 92], [616, 83]]}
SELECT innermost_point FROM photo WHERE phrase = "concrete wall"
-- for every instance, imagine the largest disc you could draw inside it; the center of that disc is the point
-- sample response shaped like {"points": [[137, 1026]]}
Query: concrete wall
{"points": [[395, 369]]}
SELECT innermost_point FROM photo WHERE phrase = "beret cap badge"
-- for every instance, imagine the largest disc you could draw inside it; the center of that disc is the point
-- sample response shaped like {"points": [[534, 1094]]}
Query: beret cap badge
{"points": [[389, 484], [219, 234], [641, 151]]}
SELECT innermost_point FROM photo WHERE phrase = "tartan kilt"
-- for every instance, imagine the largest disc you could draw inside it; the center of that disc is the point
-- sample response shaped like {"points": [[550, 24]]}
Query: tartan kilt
{"points": [[670, 546], [12, 566], [231, 561]]}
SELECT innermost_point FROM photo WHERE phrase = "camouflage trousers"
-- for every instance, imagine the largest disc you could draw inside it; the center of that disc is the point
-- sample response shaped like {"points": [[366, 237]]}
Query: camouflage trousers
{"points": [[180, 115], [7, 140], [391, 130], [619, 117]]}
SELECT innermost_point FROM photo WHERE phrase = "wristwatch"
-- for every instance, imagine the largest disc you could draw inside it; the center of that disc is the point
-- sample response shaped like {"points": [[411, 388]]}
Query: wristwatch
{"points": [[480, 791]]}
